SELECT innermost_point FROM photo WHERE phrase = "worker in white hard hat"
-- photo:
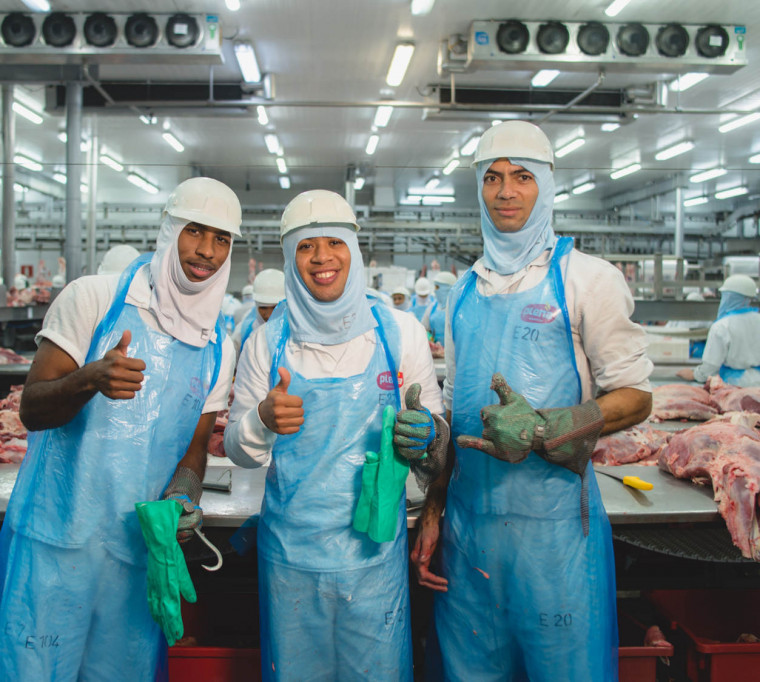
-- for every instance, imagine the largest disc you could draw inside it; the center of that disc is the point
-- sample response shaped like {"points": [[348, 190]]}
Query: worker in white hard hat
{"points": [[732, 349], [435, 318], [120, 402], [246, 305], [526, 579], [423, 299], [313, 388], [268, 289], [117, 258], [401, 299]]}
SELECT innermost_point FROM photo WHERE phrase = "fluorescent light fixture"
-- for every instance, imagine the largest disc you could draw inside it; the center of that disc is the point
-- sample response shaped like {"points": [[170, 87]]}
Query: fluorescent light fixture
{"points": [[281, 166], [420, 7], [731, 192], [544, 77], [610, 127], [284, 182], [261, 113], [627, 170], [59, 177], [675, 150], [37, 5], [435, 200], [571, 146], [142, 183], [173, 142], [616, 7], [735, 123], [26, 162], [433, 183], [372, 144], [687, 80], [469, 147], [84, 145], [246, 58], [438, 191], [582, 189], [383, 115], [411, 200], [696, 201], [148, 120], [755, 158], [359, 182], [27, 113], [562, 196], [272, 143], [19, 188], [708, 175], [399, 64], [62, 136], [450, 167], [111, 163], [232, 5]]}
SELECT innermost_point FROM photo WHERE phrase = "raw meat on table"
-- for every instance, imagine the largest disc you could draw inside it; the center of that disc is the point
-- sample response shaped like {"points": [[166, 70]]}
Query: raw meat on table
{"points": [[637, 444], [730, 398], [682, 401]]}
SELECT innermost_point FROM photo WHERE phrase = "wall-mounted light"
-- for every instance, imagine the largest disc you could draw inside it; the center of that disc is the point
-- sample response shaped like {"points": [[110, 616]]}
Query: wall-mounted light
{"points": [[249, 65], [450, 167], [284, 182], [111, 163], [686, 81], [272, 143], [372, 144], [399, 64], [173, 142], [675, 150], [383, 115], [142, 183], [469, 147], [731, 192], [627, 170], [708, 175], [571, 146], [696, 201], [738, 122], [544, 77], [281, 165], [261, 115], [562, 196], [26, 162]]}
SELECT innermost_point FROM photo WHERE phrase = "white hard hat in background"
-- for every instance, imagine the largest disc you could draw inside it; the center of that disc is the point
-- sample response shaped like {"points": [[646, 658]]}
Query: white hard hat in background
{"points": [[400, 290], [247, 290], [423, 287], [20, 281], [59, 281], [317, 207], [518, 139], [207, 202], [269, 287], [117, 258], [445, 278], [740, 284]]}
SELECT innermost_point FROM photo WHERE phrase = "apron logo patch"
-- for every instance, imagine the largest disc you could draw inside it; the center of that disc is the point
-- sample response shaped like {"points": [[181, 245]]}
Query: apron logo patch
{"points": [[539, 313], [385, 380]]}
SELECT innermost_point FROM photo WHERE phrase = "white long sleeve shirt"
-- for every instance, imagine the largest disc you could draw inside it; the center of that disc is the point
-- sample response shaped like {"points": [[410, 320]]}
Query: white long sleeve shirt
{"points": [[732, 341], [249, 443], [610, 349]]}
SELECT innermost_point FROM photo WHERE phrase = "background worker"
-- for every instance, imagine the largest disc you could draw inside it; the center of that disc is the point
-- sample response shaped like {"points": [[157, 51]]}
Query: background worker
{"points": [[401, 299], [732, 349], [268, 291], [120, 401], [310, 390], [527, 585], [246, 303], [117, 258], [442, 282], [423, 299]]}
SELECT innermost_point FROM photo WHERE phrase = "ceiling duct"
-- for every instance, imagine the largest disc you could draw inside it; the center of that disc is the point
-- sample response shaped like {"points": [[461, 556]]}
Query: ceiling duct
{"points": [[109, 38], [590, 46]]}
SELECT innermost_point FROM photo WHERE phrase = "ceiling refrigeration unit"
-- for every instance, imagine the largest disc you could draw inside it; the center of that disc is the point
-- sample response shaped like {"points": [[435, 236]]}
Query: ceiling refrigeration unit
{"points": [[582, 46], [99, 38]]}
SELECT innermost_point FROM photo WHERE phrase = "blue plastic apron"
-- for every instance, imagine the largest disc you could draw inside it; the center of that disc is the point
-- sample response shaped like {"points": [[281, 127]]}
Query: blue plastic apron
{"points": [[249, 325], [418, 310], [438, 323], [334, 604], [729, 374], [530, 597], [71, 542]]}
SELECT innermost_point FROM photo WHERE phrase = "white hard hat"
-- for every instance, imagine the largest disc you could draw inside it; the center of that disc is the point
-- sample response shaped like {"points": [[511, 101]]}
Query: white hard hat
{"points": [[445, 278], [207, 202], [400, 290], [117, 258], [518, 139], [247, 290], [20, 281], [423, 287], [317, 207], [694, 296], [740, 284], [59, 281], [269, 287]]}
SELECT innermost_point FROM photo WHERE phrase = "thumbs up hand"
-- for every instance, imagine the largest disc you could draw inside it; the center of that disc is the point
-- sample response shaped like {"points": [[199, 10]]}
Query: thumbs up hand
{"points": [[280, 411], [415, 427], [118, 376]]}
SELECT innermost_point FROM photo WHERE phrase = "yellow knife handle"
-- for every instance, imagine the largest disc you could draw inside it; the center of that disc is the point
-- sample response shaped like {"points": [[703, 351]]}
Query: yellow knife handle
{"points": [[636, 482]]}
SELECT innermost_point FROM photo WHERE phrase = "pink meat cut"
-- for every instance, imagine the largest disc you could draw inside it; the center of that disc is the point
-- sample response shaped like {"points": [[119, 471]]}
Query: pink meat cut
{"points": [[636, 444], [727, 454], [730, 398], [682, 401]]}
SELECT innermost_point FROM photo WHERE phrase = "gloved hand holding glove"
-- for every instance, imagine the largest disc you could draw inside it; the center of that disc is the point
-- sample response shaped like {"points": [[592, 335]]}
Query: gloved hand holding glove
{"points": [[186, 488], [168, 577], [565, 436]]}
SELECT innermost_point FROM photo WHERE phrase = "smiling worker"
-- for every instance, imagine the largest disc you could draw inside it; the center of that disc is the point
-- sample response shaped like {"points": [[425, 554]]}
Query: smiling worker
{"points": [[527, 589], [311, 388], [120, 401]]}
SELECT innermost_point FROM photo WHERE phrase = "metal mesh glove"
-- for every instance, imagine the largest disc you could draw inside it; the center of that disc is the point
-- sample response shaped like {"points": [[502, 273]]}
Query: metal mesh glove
{"points": [[565, 436], [415, 427], [186, 488], [427, 469], [168, 578]]}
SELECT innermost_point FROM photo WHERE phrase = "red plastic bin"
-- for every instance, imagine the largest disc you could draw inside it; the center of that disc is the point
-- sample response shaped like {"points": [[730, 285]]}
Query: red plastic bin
{"points": [[214, 664], [636, 662], [711, 621]]}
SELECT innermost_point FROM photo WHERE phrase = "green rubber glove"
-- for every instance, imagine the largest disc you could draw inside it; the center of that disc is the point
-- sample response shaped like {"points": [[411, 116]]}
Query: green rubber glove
{"points": [[168, 577], [378, 515]]}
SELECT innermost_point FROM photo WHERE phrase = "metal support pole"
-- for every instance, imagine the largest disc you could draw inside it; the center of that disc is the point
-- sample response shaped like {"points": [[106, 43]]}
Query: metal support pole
{"points": [[92, 183], [9, 209], [73, 237], [678, 244]]}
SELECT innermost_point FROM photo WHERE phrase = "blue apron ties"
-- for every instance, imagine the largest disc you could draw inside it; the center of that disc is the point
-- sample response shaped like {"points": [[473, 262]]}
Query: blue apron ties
{"points": [[334, 604], [530, 594], [71, 535]]}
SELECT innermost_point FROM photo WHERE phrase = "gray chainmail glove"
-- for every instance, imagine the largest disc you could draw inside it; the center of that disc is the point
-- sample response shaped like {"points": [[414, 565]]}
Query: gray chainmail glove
{"points": [[428, 469], [186, 488], [569, 436]]}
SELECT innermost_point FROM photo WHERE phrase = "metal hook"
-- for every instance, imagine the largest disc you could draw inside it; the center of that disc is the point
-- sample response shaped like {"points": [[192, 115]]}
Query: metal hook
{"points": [[211, 546]]}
